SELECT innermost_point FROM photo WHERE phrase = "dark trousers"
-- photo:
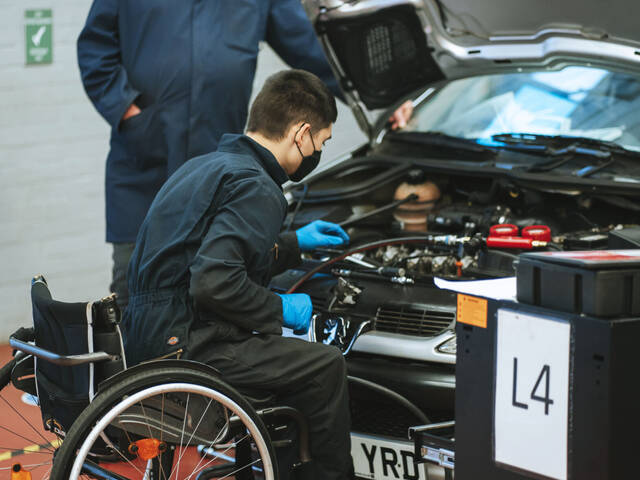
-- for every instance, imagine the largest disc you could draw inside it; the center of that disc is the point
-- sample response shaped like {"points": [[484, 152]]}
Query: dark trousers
{"points": [[308, 376], [121, 256]]}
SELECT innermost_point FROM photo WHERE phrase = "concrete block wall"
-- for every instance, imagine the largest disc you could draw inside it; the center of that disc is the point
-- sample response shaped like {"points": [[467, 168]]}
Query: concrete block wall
{"points": [[53, 146]]}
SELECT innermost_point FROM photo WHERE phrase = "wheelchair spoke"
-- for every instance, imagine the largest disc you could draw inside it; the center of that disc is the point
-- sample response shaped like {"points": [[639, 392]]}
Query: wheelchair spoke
{"points": [[184, 423], [20, 450], [161, 467], [25, 421], [48, 472], [162, 417], [45, 446], [242, 468], [144, 415], [199, 422], [165, 422], [164, 474], [32, 465], [233, 445], [117, 450], [129, 441], [221, 434]]}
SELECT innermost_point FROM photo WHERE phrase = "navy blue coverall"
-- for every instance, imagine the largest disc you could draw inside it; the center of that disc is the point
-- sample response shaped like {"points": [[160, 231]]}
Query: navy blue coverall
{"points": [[189, 65], [198, 280]]}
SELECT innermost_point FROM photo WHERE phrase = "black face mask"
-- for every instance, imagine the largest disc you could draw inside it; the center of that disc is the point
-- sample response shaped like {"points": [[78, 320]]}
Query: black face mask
{"points": [[308, 163]]}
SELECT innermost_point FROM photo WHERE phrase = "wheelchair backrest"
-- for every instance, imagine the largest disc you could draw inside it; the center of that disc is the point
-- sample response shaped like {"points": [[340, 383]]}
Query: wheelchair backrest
{"points": [[72, 329]]}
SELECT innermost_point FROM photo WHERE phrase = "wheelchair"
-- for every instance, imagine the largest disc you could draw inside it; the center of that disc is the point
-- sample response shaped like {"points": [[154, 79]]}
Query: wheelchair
{"points": [[166, 419]]}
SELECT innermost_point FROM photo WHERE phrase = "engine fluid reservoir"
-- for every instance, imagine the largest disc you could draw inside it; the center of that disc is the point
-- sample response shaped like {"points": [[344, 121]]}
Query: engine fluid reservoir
{"points": [[537, 232], [413, 215]]}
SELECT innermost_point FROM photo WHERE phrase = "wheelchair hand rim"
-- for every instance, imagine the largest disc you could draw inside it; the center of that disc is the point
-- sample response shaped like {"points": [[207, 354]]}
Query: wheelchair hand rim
{"points": [[169, 388]]}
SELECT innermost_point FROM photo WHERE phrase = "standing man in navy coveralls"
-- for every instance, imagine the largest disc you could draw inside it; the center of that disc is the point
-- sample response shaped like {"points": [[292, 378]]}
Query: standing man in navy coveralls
{"points": [[171, 77], [207, 249]]}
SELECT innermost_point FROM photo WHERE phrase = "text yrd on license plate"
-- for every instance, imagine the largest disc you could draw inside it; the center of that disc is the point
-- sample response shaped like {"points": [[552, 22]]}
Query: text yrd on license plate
{"points": [[380, 459]]}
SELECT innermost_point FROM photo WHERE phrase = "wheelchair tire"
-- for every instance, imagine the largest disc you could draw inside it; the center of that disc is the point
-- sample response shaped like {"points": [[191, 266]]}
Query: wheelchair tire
{"points": [[140, 416]]}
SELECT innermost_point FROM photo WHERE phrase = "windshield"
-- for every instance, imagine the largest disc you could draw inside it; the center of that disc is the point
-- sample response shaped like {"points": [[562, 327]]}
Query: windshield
{"points": [[576, 101]]}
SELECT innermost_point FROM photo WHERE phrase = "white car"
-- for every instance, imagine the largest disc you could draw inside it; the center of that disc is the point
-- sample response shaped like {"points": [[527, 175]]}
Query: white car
{"points": [[525, 136]]}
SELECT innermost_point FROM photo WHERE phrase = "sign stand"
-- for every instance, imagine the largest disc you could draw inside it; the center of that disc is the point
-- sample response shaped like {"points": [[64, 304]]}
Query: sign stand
{"points": [[547, 385], [542, 394]]}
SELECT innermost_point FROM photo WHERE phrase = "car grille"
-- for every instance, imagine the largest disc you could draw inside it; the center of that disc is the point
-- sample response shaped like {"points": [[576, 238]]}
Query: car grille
{"points": [[377, 418], [411, 320]]}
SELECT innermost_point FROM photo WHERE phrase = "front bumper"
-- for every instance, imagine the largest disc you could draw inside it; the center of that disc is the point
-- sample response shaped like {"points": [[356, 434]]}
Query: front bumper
{"points": [[429, 386]]}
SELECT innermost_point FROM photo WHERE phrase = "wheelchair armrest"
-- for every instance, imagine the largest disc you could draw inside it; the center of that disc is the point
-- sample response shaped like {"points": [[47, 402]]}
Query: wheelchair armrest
{"points": [[62, 360]]}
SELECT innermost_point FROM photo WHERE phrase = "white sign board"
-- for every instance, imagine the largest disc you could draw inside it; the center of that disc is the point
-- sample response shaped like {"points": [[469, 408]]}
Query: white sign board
{"points": [[532, 393]]}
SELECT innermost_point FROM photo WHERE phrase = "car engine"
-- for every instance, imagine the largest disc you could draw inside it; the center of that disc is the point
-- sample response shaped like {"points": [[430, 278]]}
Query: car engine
{"points": [[376, 300], [471, 226]]}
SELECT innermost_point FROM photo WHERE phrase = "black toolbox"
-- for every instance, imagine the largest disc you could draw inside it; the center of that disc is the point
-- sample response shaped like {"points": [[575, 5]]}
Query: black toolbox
{"points": [[601, 283]]}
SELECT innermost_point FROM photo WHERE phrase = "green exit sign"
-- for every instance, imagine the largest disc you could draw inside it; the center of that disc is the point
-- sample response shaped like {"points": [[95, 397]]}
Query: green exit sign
{"points": [[38, 28]]}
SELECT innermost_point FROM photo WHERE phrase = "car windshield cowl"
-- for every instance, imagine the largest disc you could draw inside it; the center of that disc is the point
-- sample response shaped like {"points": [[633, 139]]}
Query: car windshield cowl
{"points": [[441, 140], [576, 156]]}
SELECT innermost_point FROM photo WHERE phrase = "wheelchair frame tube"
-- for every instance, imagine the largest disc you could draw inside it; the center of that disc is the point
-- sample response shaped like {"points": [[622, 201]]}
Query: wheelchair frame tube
{"points": [[100, 473], [63, 360]]}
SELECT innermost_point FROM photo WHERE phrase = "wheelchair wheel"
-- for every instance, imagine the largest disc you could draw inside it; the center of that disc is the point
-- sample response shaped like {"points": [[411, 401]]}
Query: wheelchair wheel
{"points": [[167, 423], [25, 446]]}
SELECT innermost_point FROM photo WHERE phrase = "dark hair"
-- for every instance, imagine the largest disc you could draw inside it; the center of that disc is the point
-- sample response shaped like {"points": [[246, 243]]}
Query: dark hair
{"points": [[289, 97]]}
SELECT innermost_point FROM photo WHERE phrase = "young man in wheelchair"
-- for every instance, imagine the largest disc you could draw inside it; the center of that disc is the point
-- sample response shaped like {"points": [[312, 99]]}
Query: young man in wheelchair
{"points": [[211, 243]]}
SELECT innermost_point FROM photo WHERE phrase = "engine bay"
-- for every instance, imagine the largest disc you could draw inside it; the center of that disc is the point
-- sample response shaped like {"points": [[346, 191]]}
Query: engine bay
{"points": [[408, 225]]}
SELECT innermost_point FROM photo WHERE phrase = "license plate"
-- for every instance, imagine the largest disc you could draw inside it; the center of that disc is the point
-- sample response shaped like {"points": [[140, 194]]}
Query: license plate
{"points": [[382, 459]]}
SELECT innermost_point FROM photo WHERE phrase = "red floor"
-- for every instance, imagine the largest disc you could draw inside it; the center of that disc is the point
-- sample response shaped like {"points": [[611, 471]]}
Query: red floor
{"points": [[18, 433], [21, 429]]}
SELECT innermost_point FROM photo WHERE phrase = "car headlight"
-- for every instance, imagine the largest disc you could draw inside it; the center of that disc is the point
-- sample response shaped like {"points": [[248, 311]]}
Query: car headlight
{"points": [[448, 347]]}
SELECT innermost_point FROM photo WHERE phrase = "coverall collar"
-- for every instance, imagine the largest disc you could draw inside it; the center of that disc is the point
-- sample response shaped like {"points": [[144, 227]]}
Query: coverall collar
{"points": [[234, 143]]}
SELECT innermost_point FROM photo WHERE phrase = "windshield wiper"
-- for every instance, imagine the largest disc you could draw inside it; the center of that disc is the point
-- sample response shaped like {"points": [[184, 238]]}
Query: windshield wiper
{"points": [[560, 145], [554, 162], [591, 169], [562, 149], [437, 139]]}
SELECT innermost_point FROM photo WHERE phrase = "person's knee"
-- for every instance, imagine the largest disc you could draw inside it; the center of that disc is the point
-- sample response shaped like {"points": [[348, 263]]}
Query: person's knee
{"points": [[336, 362], [334, 372]]}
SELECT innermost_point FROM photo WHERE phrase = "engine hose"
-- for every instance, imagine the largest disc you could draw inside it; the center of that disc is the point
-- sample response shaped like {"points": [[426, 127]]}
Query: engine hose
{"points": [[305, 190], [370, 185], [406, 403], [409, 198], [428, 239]]}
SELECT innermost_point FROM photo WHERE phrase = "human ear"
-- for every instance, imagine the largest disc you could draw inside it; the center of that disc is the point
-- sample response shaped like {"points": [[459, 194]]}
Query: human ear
{"points": [[300, 131]]}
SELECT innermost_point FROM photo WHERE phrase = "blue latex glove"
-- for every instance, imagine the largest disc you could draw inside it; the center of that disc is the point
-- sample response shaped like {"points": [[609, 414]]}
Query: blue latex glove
{"points": [[321, 234], [296, 311]]}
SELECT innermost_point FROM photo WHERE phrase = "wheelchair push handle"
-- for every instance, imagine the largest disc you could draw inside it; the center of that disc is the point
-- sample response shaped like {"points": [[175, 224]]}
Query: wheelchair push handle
{"points": [[62, 360]]}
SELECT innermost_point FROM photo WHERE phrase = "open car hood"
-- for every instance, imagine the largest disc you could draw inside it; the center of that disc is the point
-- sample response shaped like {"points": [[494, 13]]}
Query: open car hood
{"points": [[381, 50]]}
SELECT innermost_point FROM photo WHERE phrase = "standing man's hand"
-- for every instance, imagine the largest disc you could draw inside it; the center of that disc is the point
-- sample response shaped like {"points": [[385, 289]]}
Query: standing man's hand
{"points": [[296, 311], [132, 111], [321, 234], [402, 115]]}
